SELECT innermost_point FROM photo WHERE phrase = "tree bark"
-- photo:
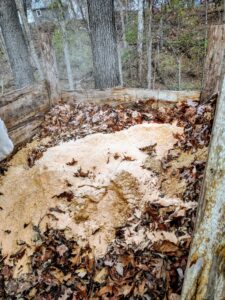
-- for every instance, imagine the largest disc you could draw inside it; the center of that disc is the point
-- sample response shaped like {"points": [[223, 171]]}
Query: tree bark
{"points": [[213, 66], [140, 38], [149, 49], [205, 273], [20, 6], [122, 24], [104, 43], [223, 11], [49, 60], [15, 44], [120, 63], [67, 55], [179, 67]]}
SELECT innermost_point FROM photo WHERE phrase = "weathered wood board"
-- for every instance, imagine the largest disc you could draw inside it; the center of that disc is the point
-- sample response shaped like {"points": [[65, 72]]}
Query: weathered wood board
{"points": [[128, 94], [23, 111]]}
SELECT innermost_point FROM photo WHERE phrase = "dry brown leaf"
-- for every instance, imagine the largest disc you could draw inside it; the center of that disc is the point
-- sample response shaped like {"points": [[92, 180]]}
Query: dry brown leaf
{"points": [[101, 275], [165, 247]]}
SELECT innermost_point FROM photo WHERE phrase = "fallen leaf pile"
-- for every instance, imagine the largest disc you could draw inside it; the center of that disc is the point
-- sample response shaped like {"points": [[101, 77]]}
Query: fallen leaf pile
{"points": [[147, 259], [60, 269], [65, 122]]}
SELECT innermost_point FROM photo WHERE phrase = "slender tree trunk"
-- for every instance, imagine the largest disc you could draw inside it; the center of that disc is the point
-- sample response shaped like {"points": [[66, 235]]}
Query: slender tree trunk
{"points": [[20, 6], [149, 49], [223, 11], [127, 18], [161, 32], [67, 55], [49, 61], [140, 38], [120, 63], [104, 44], [84, 13], [179, 66], [2, 43], [122, 24], [205, 273], [206, 38], [15, 44]]}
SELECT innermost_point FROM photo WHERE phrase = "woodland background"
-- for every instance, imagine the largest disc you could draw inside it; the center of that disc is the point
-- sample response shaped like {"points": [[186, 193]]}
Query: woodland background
{"points": [[171, 35]]}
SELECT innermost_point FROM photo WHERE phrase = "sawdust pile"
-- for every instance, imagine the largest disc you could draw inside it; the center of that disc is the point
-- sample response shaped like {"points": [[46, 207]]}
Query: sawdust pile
{"points": [[88, 187]]}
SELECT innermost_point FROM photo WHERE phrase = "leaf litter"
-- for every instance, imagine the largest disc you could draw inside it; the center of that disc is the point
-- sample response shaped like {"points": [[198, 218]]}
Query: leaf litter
{"points": [[146, 256]]}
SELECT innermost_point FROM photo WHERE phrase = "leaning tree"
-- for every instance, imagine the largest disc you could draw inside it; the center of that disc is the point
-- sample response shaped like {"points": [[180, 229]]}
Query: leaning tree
{"points": [[205, 273], [104, 43], [16, 47]]}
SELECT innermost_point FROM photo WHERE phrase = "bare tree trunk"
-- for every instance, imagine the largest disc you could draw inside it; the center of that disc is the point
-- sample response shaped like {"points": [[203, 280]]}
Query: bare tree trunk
{"points": [[67, 55], [140, 38], [84, 13], [20, 6], [15, 44], [206, 36], [49, 60], [213, 66], [104, 43], [179, 59], [2, 43], [161, 32], [122, 24], [223, 11], [205, 273], [120, 63], [149, 49]]}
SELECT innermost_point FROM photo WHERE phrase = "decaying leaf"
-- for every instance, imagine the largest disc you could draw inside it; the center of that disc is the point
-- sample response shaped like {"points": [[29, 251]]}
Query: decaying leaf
{"points": [[68, 195]]}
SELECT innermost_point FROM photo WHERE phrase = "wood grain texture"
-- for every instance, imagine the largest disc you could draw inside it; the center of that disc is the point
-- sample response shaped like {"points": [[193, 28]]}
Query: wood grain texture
{"points": [[121, 95], [23, 111]]}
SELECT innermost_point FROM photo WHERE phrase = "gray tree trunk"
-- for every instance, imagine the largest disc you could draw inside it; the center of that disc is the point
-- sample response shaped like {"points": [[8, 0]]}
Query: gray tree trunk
{"points": [[149, 49], [67, 55], [205, 273], [49, 60], [120, 64], [122, 24], [104, 44], [223, 11], [20, 6], [140, 38], [15, 44]]}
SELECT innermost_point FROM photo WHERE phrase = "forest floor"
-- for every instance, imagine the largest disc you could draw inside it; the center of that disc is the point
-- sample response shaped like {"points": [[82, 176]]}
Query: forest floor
{"points": [[102, 203]]}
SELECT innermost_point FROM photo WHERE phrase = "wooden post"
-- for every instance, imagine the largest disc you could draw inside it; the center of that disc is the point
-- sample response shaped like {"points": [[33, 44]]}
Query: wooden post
{"points": [[205, 273], [49, 60], [213, 66]]}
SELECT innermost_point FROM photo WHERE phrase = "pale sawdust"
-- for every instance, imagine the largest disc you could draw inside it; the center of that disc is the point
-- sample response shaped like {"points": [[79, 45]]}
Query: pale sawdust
{"points": [[21, 156], [116, 186]]}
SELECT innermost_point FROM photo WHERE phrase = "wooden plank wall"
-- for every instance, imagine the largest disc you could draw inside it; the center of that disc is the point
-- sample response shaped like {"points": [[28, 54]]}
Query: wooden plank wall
{"points": [[122, 95], [23, 111]]}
